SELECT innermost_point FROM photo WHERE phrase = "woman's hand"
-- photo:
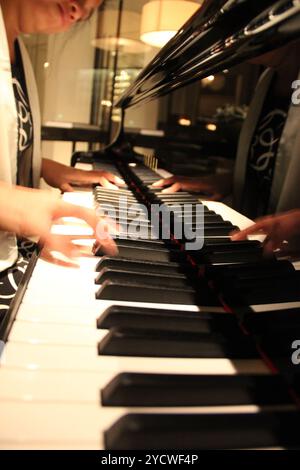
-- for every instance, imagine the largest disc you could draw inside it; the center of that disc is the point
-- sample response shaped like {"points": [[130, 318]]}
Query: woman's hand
{"points": [[29, 212], [279, 229], [215, 187], [61, 176]]}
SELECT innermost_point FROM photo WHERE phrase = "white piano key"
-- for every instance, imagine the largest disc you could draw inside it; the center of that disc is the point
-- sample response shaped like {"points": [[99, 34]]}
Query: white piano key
{"points": [[271, 307], [82, 424], [53, 334], [51, 374], [32, 311], [45, 357], [67, 315], [81, 229], [232, 216], [53, 386], [80, 198]]}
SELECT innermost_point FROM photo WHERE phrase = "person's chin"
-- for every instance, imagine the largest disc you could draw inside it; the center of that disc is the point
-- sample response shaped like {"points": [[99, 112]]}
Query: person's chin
{"points": [[54, 29]]}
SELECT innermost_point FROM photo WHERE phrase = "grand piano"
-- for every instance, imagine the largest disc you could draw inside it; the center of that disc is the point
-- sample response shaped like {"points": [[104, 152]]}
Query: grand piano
{"points": [[160, 347]]}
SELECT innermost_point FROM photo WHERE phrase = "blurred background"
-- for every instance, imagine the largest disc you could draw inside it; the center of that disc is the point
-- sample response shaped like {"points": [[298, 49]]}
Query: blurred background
{"points": [[80, 74]]}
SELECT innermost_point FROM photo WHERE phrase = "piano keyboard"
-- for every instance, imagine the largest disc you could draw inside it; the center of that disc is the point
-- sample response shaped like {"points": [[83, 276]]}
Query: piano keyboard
{"points": [[138, 352]]}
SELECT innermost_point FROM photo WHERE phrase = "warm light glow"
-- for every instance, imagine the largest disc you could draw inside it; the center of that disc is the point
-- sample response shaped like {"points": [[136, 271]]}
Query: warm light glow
{"points": [[128, 41], [33, 341], [46, 65], [157, 38], [32, 367], [184, 122], [208, 80], [106, 103], [27, 397], [211, 127], [161, 19]]}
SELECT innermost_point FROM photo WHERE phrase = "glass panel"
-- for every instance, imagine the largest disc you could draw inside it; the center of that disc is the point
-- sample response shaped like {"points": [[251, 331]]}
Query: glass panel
{"points": [[64, 68], [80, 74], [118, 62]]}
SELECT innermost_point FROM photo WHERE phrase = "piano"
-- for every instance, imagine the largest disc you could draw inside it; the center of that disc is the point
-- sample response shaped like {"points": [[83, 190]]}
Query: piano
{"points": [[160, 347]]}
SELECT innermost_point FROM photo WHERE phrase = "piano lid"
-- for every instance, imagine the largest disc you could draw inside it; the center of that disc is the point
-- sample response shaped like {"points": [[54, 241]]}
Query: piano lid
{"points": [[222, 33]]}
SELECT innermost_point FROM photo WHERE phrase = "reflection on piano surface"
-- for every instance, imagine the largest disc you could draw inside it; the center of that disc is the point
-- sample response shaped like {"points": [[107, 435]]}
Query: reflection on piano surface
{"points": [[159, 347]]}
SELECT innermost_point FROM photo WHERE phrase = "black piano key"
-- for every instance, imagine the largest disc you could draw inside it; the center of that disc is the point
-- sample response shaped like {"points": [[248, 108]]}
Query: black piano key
{"points": [[253, 283], [130, 389], [209, 233], [208, 218], [278, 320], [135, 220], [149, 180], [208, 228], [120, 214], [231, 257], [115, 198], [244, 245], [106, 191], [179, 208], [136, 292], [174, 196], [207, 223], [107, 205], [114, 193], [118, 276], [125, 219], [136, 253], [182, 200], [218, 231], [204, 431], [177, 196], [120, 190], [266, 291], [280, 344], [138, 225], [127, 274], [143, 232], [275, 331], [126, 199], [156, 343], [140, 243], [143, 266], [264, 269], [167, 320]]}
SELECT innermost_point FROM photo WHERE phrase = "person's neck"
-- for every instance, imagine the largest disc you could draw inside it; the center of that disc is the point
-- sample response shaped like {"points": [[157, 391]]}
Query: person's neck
{"points": [[10, 21]]}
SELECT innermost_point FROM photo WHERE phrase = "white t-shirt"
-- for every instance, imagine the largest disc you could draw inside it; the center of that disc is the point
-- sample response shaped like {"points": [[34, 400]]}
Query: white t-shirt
{"points": [[9, 135]]}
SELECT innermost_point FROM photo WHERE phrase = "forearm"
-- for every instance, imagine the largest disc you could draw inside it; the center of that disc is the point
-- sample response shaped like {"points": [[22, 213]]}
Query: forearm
{"points": [[48, 166], [10, 213], [63, 176]]}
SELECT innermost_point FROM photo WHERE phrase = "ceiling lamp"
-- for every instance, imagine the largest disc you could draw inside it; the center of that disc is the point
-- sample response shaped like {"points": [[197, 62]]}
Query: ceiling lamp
{"points": [[106, 34], [161, 19]]}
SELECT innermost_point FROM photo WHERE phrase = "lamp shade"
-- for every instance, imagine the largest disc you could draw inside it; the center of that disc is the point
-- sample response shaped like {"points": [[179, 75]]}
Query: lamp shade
{"points": [[128, 41], [161, 19]]}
